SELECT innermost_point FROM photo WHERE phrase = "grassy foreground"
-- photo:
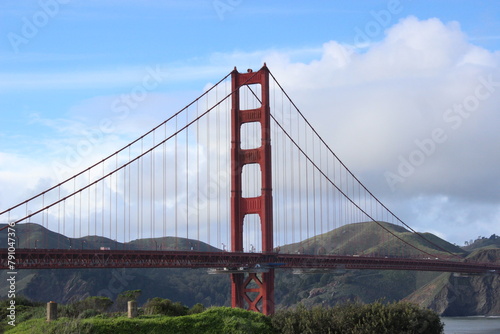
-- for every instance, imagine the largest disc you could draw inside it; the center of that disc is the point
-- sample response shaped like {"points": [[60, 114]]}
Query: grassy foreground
{"points": [[165, 317], [212, 321]]}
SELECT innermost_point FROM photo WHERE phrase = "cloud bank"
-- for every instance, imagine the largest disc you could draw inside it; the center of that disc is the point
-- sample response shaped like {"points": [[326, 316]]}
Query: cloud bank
{"points": [[415, 116]]}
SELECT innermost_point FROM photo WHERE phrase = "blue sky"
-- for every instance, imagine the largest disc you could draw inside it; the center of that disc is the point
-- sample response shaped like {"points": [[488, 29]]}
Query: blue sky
{"points": [[63, 61]]}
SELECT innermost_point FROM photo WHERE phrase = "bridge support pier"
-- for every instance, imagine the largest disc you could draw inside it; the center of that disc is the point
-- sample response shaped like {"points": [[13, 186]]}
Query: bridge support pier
{"points": [[252, 291]]}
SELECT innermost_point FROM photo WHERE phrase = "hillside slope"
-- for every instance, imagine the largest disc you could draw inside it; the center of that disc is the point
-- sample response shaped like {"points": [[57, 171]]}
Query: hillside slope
{"points": [[463, 295], [373, 238]]}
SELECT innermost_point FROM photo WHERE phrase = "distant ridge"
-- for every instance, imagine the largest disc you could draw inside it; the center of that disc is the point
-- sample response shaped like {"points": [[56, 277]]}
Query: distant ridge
{"points": [[31, 235], [368, 238]]}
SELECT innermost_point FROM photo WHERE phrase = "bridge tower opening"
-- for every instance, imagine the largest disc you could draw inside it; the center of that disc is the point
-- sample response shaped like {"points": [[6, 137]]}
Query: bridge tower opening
{"points": [[253, 291]]}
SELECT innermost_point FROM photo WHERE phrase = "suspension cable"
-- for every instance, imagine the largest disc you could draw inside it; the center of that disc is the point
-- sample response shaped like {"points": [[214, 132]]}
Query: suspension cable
{"points": [[352, 174]]}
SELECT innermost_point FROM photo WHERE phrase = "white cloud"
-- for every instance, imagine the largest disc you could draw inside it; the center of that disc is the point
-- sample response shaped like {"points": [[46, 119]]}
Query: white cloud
{"points": [[20, 180], [383, 105]]}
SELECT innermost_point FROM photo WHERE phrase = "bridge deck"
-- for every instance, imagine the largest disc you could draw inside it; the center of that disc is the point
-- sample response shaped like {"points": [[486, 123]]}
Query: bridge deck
{"points": [[64, 259]]}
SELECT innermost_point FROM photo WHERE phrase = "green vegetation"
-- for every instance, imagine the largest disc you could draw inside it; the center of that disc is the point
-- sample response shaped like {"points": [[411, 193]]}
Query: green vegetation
{"points": [[164, 307], [368, 238], [25, 309], [354, 318], [493, 241], [164, 316], [212, 321]]}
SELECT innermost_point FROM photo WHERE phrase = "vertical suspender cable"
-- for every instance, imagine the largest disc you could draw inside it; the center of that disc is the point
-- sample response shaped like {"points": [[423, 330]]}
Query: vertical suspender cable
{"points": [[138, 193], [314, 187], [187, 175], [328, 202], [283, 173], [116, 198], [129, 204], [301, 220], [111, 203], [307, 186], [293, 176], [74, 209], [125, 204], [141, 190], [218, 153], [198, 143], [228, 160], [209, 151], [102, 202], [59, 219], [176, 209], [153, 190], [164, 184], [46, 220], [321, 180]]}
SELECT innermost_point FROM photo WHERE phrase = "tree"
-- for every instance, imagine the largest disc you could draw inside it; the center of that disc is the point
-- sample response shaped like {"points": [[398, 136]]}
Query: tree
{"points": [[165, 307], [197, 308]]}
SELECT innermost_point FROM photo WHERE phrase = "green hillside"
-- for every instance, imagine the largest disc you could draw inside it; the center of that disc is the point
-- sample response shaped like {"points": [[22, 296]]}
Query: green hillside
{"points": [[369, 238], [455, 294], [492, 241], [30, 235]]}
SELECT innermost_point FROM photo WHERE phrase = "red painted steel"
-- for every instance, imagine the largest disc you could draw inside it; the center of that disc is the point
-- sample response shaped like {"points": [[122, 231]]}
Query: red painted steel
{"points": [[262, 205], [88, 258]]}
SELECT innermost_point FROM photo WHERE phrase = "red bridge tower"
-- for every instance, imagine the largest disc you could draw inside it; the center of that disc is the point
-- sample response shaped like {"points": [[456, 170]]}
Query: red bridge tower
{"points": [[252, 291]]}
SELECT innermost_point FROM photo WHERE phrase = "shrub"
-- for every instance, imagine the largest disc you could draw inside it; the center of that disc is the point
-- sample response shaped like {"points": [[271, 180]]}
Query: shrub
{"points": [[355, 318], [88, 314], [197, 308], [164, 307], [96, 304]]}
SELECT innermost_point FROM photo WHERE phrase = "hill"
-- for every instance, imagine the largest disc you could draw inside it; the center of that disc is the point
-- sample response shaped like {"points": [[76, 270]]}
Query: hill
{"points": [[32, 235], [452, 294], [482, 242], [370, 238], [365, 238]]}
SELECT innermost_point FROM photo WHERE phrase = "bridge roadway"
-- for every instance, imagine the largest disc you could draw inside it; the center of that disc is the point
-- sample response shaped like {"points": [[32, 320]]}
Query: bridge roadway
{"points": [[226, 261]]}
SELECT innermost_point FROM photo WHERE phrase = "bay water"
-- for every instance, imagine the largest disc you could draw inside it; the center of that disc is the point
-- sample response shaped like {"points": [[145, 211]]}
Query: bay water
{"points": [[471, 325]]}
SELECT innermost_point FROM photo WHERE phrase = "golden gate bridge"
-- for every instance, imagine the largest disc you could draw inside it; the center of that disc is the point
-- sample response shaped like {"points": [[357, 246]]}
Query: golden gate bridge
{"points": [[238, 181]]}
